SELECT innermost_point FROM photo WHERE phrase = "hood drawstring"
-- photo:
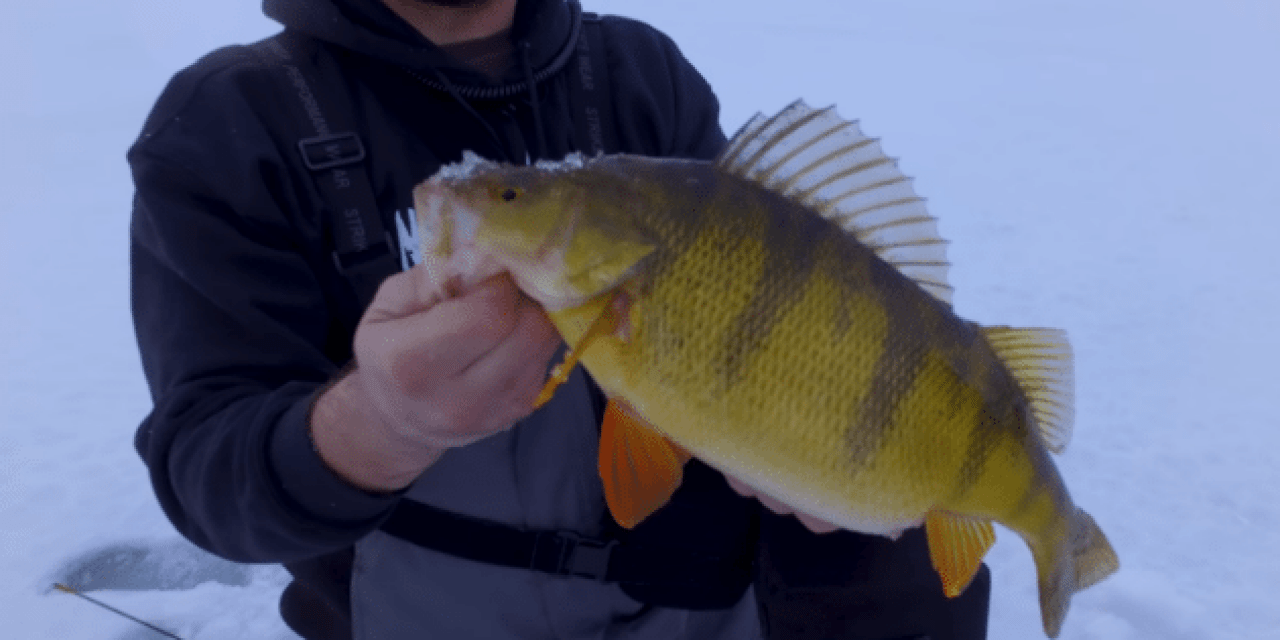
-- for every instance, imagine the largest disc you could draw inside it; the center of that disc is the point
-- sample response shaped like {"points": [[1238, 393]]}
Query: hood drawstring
{"points": [[457, 97], [441, 81], [533, 97], [461, 95]]}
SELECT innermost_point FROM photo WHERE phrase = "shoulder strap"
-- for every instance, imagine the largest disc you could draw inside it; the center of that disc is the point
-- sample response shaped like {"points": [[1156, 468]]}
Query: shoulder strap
{"points": [[589, 91], [333, 153]]}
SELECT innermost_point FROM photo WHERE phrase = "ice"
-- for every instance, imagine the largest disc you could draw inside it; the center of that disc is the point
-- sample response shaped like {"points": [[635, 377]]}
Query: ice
{"points": [[1107, 168]]}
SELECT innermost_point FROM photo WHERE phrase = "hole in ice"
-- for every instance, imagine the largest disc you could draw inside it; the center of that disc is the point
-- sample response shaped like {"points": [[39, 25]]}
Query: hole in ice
{"points": [[174, 565]]}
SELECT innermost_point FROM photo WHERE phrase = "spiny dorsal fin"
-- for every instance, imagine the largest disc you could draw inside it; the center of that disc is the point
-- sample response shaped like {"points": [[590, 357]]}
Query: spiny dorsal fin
{"points": [[1040, 360], [826, 163]]}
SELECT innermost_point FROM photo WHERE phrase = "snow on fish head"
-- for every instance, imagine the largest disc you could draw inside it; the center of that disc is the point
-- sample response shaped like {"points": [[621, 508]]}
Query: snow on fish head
{"points": [[550, 225]]}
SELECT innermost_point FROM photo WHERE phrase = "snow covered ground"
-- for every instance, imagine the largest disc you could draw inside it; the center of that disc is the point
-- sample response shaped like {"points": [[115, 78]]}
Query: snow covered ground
{"points": [[1112, 168]]}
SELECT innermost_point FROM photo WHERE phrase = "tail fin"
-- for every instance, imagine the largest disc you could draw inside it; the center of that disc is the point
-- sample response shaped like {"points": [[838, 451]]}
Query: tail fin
{"points": [[1083, 559], [1091, 553]]}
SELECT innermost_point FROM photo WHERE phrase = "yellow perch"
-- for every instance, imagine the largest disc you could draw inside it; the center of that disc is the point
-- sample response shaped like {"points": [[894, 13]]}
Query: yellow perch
{"points": [[783, 314]]}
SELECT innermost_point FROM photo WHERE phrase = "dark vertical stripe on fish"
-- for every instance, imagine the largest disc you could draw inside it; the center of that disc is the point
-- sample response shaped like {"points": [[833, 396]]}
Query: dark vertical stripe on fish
{"points": [[980, 371], [902, 357], [788, 236], [984, 437], [897, 368]]}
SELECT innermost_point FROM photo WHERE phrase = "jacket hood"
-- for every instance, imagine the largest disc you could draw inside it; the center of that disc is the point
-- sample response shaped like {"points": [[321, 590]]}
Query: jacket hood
{"points": [[549, 28]]}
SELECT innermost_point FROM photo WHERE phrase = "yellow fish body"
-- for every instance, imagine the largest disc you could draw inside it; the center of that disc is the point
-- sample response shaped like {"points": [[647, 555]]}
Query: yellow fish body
{"points": [[783, 315]]}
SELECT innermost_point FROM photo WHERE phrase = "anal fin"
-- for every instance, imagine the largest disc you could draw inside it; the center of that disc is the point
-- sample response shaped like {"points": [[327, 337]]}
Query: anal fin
{"points": [[956, 547], [640, 468]]}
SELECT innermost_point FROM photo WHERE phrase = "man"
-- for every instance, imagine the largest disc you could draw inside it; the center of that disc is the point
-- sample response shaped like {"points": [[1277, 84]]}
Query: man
{"points": [[264, 447]]}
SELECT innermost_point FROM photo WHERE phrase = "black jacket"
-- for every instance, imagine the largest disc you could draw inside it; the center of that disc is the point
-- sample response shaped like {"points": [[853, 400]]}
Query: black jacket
{"points": [[239, 310], [242, 316]]}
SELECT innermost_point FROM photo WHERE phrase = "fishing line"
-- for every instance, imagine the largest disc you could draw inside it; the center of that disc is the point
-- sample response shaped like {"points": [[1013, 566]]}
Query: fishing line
{"points": [[71, 590]]}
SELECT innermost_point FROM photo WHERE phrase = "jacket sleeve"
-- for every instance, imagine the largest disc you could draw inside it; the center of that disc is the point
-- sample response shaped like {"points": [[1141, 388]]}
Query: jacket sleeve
{"points": [[235, 331]]}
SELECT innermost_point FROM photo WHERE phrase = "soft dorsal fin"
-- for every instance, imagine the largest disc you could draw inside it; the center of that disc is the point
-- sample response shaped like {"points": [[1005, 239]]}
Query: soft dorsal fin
{"points": [[826, 163], [1041, 362]]}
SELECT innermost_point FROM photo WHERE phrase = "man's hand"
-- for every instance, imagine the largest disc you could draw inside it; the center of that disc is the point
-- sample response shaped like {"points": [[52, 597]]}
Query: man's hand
{"points": [[433, 372], [814, 524]]}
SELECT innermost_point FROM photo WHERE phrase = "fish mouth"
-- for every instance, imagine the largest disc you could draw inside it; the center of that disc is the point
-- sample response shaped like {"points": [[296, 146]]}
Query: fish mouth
{"points": [[449, 227]]}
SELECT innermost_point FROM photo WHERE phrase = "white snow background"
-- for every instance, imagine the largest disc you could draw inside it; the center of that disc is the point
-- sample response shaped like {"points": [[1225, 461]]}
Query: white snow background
{"points": [[1112, 168]]}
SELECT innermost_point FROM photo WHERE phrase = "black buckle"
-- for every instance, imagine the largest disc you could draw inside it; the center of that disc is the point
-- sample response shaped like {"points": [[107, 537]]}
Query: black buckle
{"points": [[329, 151], [566, 553]]}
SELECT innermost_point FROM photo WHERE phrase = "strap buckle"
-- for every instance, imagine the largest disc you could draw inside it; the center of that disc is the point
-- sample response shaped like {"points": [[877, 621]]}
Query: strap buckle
{"points": [[568, 554], [329, 151]]}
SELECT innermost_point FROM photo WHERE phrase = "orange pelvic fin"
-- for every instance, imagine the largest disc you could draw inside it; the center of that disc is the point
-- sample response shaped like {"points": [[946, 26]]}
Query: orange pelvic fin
{"points": [[956, 546], [640, 468], [611, 321]]}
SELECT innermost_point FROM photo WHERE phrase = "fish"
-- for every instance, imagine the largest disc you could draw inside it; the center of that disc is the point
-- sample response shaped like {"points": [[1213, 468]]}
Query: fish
{"points": [[782, 313]]}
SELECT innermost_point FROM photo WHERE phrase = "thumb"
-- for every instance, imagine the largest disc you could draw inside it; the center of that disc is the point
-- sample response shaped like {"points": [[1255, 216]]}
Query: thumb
{"points": [[406, 293]]}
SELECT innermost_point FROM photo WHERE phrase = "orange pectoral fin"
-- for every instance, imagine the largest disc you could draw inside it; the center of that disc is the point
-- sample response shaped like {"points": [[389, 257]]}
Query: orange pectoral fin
{"points": [[611, 321], [956, 547], [640, 468]]}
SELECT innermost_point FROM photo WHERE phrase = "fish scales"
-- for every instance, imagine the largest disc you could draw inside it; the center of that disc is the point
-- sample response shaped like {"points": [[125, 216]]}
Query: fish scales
{"points": [[782, 315], [741, 256], [761, 296]]}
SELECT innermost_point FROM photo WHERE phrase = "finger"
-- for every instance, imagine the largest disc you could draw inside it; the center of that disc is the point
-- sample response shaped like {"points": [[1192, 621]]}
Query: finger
{"points": [[517, 366], [446, 339], [773, 505], [476, 321], [739, 487], [746, 490], [816, 525], [812, 523], [405, 293], [501, 313]]}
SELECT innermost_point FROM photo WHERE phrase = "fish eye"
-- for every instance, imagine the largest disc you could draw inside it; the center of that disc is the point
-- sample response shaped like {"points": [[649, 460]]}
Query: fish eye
{"points": [[509, 194]]}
